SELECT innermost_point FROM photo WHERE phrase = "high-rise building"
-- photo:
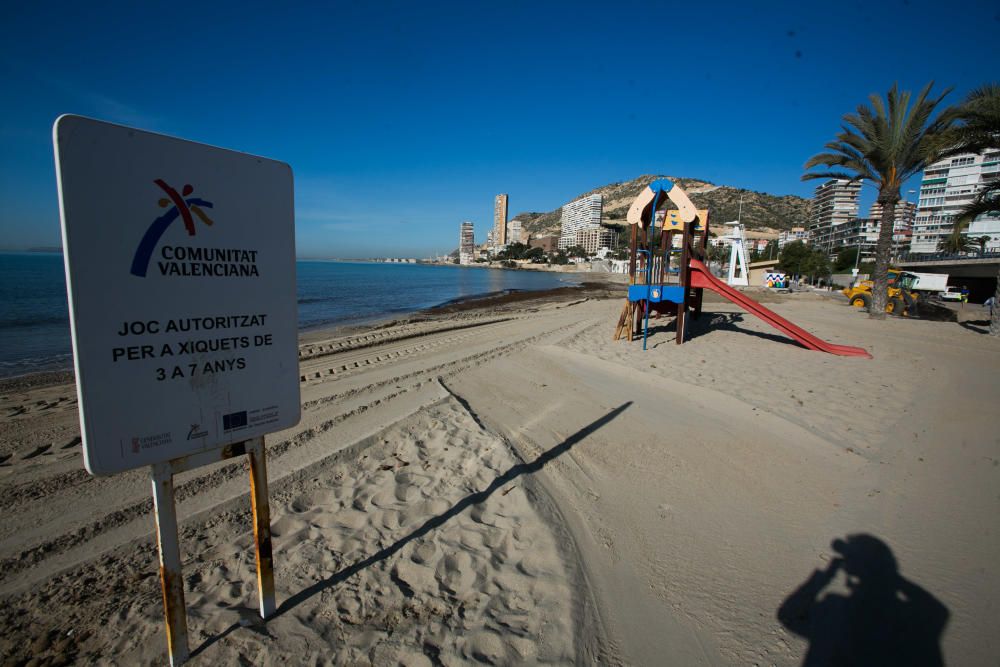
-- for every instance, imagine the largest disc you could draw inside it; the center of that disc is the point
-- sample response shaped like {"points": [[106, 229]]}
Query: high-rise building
{"points": [[834, 204], [906, 211], [947, 186], [514, 231], [584, 213], [500, 220], [862, 233], [467, 244]]}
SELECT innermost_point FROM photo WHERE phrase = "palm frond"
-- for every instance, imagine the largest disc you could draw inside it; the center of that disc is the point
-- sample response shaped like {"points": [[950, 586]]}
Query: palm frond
{"points": [[986, 201], [888, 140], [979, 122], [830, 174]]}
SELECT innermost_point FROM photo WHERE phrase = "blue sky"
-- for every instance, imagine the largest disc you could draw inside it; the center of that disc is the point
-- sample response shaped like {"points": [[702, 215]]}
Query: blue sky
{"points": [[401, 120]]}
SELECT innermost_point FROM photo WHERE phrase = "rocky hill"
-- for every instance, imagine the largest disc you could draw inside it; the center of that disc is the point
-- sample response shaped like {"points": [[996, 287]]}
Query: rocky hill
{"points": [[760, 210]]}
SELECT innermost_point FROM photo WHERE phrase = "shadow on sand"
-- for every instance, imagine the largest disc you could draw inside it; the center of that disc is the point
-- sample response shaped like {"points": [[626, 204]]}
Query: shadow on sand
{"points": [[979, 326], [257, 624], [707, 323], [883, 619]]}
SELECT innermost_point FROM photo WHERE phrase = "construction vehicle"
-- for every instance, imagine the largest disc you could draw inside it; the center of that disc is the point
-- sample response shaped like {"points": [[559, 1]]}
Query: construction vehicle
{"points": [[902, 298], [925, 284]]}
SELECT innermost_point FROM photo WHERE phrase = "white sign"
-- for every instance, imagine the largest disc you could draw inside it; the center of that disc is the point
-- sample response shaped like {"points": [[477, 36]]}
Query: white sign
{"points": [[180, 265]]}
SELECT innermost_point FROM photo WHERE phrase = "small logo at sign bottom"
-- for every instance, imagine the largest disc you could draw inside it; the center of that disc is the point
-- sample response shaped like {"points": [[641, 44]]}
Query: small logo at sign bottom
{"points": [[149, 441], [234, 420], [196, 432]]}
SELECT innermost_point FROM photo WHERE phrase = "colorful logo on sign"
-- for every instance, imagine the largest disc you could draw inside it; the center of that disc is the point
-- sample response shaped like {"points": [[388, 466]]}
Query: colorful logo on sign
{"points": [[777, 280], [182, 207]]}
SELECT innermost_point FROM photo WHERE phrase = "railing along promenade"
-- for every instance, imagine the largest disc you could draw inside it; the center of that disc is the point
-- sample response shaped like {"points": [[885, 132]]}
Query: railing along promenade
{"points": [[908, 258]]}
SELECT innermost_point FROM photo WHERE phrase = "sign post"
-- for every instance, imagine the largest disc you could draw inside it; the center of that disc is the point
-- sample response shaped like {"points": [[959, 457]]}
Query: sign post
{"points": [[261, 528], [171, 577], [180, 268]]}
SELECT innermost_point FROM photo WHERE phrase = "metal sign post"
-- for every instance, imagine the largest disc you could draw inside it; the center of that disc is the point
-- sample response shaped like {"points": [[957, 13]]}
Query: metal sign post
{"points": [[168, 539]]}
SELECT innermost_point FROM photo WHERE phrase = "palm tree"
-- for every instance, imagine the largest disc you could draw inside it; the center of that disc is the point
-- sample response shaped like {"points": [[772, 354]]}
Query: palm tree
{"points": [[956, 242], [978, 131], [982, 242], [885, 143]]}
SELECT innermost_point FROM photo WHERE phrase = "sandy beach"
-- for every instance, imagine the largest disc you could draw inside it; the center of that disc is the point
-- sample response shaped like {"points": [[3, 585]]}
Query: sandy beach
{"points": [[502, 483]]}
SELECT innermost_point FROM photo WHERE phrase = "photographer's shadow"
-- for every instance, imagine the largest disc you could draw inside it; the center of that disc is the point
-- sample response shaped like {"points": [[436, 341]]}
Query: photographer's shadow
{"points": [[883, 619]]}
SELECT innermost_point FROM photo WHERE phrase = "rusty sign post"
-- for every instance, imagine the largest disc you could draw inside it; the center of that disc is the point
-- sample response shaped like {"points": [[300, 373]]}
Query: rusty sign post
{"points": [[261, 527], [180, 271], [171, 577], [168, 538]]}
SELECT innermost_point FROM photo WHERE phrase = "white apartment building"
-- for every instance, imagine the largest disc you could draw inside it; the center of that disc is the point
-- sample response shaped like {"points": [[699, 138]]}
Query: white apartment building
{"points": [[467, 244], [579, 215], [906, 213], [862, 233], [514, 231], [946, 187], [794, 234], [834, 204]]}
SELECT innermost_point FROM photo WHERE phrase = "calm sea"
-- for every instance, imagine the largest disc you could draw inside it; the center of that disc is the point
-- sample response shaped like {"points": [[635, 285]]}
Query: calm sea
{"points": [[34, 321]]}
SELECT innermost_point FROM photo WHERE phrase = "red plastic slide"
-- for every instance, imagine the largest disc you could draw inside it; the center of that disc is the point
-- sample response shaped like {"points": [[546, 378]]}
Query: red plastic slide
{"points": [[701, 277]]}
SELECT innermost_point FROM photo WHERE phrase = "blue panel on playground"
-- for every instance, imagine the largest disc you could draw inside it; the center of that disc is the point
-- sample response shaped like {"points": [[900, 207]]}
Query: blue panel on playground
{"points": [[656, 293]]}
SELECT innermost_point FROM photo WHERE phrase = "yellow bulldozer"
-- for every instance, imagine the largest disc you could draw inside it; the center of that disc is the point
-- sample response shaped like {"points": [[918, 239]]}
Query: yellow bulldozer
{"points": [[902, 299]]}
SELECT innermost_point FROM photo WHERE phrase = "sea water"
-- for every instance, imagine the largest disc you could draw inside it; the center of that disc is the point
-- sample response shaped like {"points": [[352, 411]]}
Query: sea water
{"points": [[34, 318]]}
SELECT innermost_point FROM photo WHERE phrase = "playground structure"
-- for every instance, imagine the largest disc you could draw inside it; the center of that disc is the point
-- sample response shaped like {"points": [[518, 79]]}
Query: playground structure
{"points": [[651, 251]]}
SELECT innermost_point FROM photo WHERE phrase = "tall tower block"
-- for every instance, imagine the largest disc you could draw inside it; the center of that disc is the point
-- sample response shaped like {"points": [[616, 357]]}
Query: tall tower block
{"points": [[500, 220], [466, 244]]}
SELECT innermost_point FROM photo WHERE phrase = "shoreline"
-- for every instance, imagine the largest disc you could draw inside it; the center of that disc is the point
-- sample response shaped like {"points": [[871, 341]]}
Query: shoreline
{"points": [[586, 289], [327, 328]]}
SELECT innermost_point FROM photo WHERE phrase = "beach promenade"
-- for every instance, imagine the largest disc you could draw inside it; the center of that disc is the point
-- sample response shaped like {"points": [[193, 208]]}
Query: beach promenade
{"points": [[504, 484]]}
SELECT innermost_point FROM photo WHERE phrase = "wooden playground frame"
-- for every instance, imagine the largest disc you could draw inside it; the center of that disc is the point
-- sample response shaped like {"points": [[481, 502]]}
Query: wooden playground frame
{"points": [[643, 251]]}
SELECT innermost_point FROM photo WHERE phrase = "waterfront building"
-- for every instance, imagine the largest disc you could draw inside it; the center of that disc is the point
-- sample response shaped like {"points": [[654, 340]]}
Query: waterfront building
{"points": [[579, 215], [467, 244], [834, 203], [593, 239], [946, 187], [500, 221], [514, 231]]}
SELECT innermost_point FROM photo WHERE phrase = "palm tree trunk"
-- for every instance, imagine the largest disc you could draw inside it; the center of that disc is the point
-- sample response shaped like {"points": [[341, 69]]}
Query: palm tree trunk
{"points": [[883, 249]]}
